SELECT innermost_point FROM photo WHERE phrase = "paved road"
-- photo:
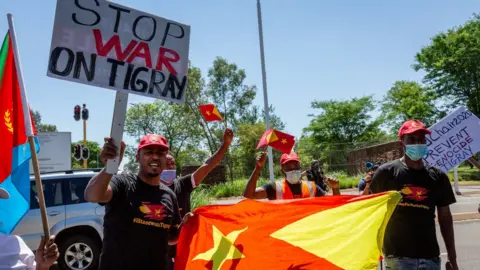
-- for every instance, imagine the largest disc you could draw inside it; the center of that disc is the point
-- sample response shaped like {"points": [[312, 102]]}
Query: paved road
{"points": [[467, 238], [465, 203]]}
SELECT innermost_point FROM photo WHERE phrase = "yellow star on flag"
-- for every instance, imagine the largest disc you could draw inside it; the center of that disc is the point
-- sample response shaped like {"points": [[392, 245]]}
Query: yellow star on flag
{"points": [[284, 141], [223, 248], [208, 113]]}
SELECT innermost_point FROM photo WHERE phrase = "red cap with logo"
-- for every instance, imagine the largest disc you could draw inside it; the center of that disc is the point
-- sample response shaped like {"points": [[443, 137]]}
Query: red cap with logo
{"points": [[153, 140], [412, 126], [289, 157]]}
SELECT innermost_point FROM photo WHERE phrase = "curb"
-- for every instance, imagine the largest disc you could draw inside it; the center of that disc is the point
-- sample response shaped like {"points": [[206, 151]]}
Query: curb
{"points": [[465, 216]]}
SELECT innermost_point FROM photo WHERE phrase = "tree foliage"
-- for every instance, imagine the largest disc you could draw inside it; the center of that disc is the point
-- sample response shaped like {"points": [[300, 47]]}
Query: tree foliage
{"points": [[452, 64], [341, 126], [37, 119], [408, 100], [94, 159]]}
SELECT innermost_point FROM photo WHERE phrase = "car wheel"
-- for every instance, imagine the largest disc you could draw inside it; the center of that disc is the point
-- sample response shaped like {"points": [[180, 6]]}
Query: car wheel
{"points": [[78, 252]]}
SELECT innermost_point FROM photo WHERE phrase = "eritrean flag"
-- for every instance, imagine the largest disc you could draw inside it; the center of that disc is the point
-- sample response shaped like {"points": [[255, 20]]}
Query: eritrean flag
{"points": [[329, 232], [14, 148]]}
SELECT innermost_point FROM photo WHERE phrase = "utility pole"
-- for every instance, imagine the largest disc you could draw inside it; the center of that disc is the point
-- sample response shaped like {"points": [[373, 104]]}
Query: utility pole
{"points": [[264, 79]]}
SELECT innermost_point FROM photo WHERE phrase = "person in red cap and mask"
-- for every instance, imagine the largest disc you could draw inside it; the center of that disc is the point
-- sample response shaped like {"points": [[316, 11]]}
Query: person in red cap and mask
{"points": [[291, 187], [141, 214], [410, 238]]}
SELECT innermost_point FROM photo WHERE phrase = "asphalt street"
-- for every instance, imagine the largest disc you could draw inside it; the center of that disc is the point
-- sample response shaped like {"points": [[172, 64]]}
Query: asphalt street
{"points": [[467, 242]]}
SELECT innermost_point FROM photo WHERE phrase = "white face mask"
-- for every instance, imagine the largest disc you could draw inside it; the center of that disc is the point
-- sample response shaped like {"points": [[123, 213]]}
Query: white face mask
{"points": [[168, 176], [293, 176]]}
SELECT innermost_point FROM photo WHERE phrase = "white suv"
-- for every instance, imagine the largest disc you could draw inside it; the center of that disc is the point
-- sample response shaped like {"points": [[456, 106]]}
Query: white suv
{"points": [[77, 224]]}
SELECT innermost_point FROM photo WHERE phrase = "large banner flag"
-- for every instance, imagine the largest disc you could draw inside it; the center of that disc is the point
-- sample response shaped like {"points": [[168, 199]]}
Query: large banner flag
{"points": [[330, 232], [14, 148]]}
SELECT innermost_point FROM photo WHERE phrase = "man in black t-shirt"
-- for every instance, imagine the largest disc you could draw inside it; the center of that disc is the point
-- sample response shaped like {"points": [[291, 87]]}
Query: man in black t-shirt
{"points": [[410, 238], [141, 214], [291, 187], [184, 185]]}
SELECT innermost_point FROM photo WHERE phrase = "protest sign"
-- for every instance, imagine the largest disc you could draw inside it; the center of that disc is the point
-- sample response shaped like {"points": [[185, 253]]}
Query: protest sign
{"points": [[454, 139], [105, 44]]}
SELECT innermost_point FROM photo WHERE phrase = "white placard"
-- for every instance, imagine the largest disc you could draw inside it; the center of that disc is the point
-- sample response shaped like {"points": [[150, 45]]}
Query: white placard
{"points": [[55, 152], [108, 45], [454, 139]]}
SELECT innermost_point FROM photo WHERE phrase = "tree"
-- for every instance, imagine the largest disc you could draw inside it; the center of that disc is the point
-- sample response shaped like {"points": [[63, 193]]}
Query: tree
{"points": [[173, 121], [340, 127], [409, 100], [452, 64], [37, 119], [227, 90], [94, 159]]}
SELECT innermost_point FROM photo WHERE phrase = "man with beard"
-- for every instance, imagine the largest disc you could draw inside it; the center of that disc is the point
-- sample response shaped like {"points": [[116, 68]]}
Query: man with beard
{"points": [[184, 185], [141, 214]]}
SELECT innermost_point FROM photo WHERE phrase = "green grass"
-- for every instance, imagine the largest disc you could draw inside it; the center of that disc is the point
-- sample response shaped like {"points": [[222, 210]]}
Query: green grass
{"points": [[466, 175], [205, 194]]}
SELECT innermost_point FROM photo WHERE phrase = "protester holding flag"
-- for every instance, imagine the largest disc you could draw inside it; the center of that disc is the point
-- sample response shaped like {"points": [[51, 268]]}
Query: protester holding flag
{"points": [[14, 253], [141, 214], [184, 186], [291, 187], [410, 237]]}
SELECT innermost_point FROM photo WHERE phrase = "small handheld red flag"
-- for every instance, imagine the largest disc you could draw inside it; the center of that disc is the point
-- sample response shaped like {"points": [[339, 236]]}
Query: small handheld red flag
{"points": [[210, 112], [280, 141]]}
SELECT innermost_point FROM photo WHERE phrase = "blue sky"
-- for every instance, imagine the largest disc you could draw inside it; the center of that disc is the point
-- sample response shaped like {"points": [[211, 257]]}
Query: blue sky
{"points": [[315, 50]]}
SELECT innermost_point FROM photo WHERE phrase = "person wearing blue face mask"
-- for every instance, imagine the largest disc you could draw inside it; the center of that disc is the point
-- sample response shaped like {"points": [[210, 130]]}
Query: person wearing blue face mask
{"points": [[410, 238]]}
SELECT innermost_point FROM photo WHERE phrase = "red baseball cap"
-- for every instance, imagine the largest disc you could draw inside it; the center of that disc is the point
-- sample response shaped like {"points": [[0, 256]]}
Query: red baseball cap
{"points": [[412, 126], [153, 140], [289, 157]]}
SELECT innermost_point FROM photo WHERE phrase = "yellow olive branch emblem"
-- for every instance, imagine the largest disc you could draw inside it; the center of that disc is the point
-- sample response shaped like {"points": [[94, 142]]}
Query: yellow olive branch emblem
{"points": [[8, 121]]}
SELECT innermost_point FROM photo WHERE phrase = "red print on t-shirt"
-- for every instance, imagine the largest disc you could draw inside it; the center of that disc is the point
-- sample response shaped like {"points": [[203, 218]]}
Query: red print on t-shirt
{"points": [[414, 193], [153, 211]]}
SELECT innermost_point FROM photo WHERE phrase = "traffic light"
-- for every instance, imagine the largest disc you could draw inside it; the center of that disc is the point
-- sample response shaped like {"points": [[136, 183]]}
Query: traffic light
{"points": [[85, 112], [76, 113], [77, 152], [85, 153]]}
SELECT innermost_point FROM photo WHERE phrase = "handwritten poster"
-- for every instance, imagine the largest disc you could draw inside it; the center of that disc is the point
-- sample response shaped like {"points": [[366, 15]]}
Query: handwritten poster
{"points": [[454, 139]]}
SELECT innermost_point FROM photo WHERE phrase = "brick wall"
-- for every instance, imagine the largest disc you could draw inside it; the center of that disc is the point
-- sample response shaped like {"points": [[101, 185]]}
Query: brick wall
{"points": [[380, 153], [217, 175]]}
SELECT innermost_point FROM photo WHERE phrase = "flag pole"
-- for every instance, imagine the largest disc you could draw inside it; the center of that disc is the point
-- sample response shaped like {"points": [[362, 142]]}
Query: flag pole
{"points": [[28, 129], [265, 96]]}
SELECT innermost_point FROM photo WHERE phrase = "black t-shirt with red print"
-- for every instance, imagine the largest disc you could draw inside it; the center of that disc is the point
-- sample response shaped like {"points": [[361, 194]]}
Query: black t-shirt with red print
{"points": [[137, 224], [411, 229]]}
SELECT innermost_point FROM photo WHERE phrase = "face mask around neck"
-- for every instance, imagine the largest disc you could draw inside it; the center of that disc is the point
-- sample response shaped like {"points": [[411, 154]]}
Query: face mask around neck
{"points": [[293, 176], [168, 176]]}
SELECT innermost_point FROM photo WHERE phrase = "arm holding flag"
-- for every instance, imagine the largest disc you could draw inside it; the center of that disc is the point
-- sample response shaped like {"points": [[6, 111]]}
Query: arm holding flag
{"points": [[251, 191], [200, 174]]}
